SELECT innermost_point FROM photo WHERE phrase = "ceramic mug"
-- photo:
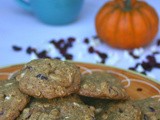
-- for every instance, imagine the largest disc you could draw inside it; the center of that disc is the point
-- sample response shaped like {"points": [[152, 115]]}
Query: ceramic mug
{"points": [[56, 12]]}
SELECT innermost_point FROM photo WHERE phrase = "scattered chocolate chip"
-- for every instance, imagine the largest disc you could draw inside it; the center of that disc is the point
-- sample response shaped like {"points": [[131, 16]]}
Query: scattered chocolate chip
{"points": [[146, 66], [30, 50], [157, 65], [68, 56], [151, 60], [91, 50], [144, 73], [120, 110], [42, 77], [43, 54], [139, 89], [86, 40], [16, 48], [132, 68], [71, 39], [102, 55], [155, 53], [151, 109], [158, 42], [134, 56]]}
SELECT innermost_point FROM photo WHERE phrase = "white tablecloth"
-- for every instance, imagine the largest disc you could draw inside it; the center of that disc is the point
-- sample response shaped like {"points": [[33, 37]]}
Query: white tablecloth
{"points": [[19, 27]]}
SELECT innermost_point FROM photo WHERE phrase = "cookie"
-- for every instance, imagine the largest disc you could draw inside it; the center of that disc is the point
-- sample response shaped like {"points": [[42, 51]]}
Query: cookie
{"points": [[120, 111], [49, 78], [67, 108], [12, 101], [102, 85], [150, 108]]}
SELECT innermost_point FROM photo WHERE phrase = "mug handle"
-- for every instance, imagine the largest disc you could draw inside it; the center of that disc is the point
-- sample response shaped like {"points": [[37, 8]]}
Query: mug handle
{"points": [[24, 5]]}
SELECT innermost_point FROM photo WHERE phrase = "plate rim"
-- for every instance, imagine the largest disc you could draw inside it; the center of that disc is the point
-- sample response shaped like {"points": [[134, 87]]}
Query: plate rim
{"points": [[98, 64]]}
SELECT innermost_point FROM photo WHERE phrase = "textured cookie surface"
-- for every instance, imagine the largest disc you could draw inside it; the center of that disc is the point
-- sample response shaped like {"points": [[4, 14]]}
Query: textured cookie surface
{"points": [[12, 101], [120, 111], [150, 108], [47, 78], [102, 85], [68, 108]]}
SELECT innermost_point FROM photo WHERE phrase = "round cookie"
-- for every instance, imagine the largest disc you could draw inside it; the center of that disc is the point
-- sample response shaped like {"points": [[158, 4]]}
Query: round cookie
{"points": [[102, 85], [49, 78], [150, 108], [120, 111], [12, 101], [68, 108]]}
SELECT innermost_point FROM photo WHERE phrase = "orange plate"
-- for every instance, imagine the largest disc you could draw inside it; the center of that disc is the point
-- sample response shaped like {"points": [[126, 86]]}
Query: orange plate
{"points": [[140, 86]]}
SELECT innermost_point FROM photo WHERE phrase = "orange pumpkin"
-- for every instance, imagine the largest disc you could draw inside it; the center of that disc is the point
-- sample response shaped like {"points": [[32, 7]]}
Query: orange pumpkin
{"points": [[127, 24]]}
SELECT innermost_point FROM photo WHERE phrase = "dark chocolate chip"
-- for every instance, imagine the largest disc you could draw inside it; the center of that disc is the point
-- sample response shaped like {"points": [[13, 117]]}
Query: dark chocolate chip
{"points": [[91, 50], [155, 53], [42, 77], [134, 56], [132, 68], [139, 89], [71, 39], [144, 73], [16, 48], [120, 110], [158, 42], [151, 60], [103, 61], [102, 55], [43, 54], [1, 113], [157, 65], [30, 50], [86, 40], [151, 109], [147, 66], [68, 56]]}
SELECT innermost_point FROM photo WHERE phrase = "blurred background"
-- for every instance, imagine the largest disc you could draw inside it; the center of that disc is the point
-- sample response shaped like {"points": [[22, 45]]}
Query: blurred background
{"points": [[23, 38]]}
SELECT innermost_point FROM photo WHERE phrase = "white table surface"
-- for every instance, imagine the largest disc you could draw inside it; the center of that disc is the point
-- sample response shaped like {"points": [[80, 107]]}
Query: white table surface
{"points": [[21, 28]]}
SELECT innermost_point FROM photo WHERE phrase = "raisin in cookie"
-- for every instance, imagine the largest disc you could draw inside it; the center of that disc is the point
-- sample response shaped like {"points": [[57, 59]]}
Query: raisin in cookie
{"points": [[12, 101], [150, 108], [47, 78], [67, 108], [102, 85]]}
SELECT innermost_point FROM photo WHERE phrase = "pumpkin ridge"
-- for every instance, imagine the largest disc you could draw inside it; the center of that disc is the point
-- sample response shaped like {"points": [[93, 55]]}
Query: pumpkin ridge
{"points": [[116, 28], [101, 16], [153, 13], [107, 16], [148, 24], [133, 30]]}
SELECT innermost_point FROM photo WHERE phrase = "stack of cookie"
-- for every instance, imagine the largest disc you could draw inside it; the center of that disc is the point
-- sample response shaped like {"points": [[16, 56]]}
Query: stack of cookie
{"points": [[47, 89]]}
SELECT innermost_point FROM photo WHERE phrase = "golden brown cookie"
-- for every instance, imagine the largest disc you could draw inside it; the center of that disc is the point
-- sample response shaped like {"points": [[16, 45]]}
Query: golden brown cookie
{"points": [[120, 111], [150, 108], [68, 108], [12, 101], [102, 85], [49, 78]]}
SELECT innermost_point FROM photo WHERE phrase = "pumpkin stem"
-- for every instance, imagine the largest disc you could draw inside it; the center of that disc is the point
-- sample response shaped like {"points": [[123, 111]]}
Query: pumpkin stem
{"points": [[128, 5]]}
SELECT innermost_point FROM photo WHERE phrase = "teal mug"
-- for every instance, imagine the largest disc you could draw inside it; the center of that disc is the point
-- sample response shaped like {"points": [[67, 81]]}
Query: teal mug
{"points": [[55, 12]]}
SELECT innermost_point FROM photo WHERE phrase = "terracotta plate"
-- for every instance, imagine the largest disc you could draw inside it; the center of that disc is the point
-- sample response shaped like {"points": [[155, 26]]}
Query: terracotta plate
{"points": [[138, 86]]}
